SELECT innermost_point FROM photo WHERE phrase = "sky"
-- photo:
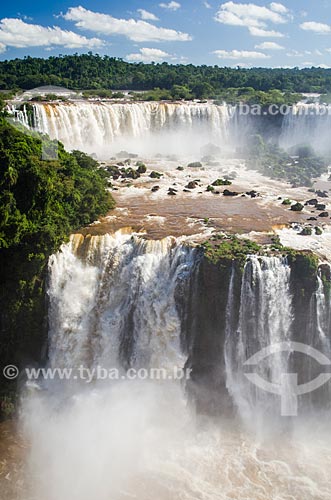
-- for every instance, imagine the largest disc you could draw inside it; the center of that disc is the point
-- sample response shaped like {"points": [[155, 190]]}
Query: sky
{"points": [[261, 33]]}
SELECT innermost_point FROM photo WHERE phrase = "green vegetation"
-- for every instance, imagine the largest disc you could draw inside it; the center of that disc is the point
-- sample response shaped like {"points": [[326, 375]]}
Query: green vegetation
{"points": [[222, 182], [299, 168], [223, 247], [165, 81], [250, 96], [306, 231], [297, 207], [306, 262], [41, 203]]}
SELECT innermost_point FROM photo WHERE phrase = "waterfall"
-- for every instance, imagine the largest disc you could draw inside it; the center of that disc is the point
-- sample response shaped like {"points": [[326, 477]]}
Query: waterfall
{"points": [[118, 300], [106, 128], [307, 124], [150, 128], [265, 319], [113, 301]]}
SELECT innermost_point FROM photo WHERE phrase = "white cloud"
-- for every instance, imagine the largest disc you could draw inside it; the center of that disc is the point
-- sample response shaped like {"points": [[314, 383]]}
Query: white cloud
{"points": [[240, 54], [207, 5], [319, 28], [303, 53], [17, 33], [147, 16], [170, 5], [297, 53], [265, 33], [278, 7], [269, 46], [138, 31], [2, 47], [148, 55], [254, 17]]}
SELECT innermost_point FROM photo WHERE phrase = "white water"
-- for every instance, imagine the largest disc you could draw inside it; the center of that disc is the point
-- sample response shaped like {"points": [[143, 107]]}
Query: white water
{"points": [[307, 124], [150, 128], [119, 303], [145, 128], [141, 439], [265, 319]]}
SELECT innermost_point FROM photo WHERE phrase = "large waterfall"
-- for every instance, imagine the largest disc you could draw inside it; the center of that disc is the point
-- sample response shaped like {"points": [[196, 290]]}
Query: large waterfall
{"points": [[113, 301], [122, 301], [265, 319], [307, 124], [148, 128]]}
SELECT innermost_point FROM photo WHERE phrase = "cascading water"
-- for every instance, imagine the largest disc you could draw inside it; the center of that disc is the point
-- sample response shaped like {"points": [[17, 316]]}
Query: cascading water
{"points": [[307, 124], [265, 319], [105, 128], [146, 128], [112, 301]]}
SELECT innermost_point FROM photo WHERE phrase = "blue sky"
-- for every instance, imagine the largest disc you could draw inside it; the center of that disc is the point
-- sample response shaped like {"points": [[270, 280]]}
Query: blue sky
{"points": [[289, 33]]}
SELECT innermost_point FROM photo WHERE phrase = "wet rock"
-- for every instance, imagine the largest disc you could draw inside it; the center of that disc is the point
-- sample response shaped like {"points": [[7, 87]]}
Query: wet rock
{"points": [[226, 192], [297, 207], [307, 231], [195, 164], [318, 231], [142, 169], [180, 168], [172, 192], [155, 175], [322, 194], [130, 173], [252, 194], [155, 189], [324, 214], [320, 206], [325, 271], [114, 171], [222, 182], [312, 202], [312, 218], [186, 191], [192, 185]]}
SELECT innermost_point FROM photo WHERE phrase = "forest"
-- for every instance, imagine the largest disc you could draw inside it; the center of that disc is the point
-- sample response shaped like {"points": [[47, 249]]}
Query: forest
{"points": [[42, 201], [92, 71]]}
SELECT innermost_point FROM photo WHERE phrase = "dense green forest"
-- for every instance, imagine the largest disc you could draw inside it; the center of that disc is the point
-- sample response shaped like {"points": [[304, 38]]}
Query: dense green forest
{"points": [[41, 202], [88, 71]]}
